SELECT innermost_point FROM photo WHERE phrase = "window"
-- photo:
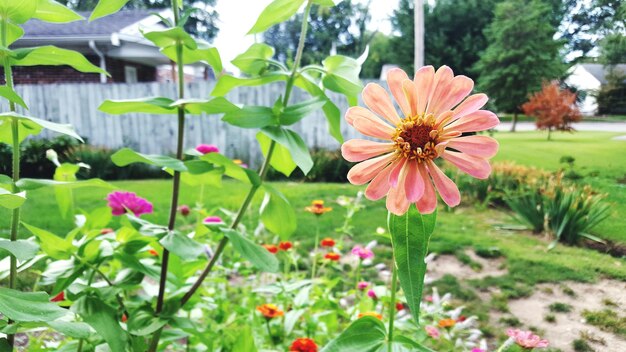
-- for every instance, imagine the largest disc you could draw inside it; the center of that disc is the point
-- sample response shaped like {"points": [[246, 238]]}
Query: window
{"points": [[130, 74]]}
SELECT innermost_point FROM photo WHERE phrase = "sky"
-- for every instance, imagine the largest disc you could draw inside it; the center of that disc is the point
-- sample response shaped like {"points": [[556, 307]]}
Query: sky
{"points": [[238, 16]]}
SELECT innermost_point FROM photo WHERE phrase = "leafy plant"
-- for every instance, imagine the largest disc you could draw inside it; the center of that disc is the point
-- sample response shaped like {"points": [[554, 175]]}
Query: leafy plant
{"points": [[554, 108]]}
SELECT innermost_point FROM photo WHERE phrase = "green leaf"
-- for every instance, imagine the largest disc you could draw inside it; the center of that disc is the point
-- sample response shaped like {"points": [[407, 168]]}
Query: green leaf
{"points": [[32, 124], [149, 105], [410, 234], [28, 184], [18, 12], [143, 323], [254, 60], [366, 334], [328, 3], [28, 306], [245, 340], [251, 117], [217, 105], [257, 255], [182, 245], [53, 12], [281, 158], [11, 200], [106, 7], [277, 214], [126, 156], [78, 330], [297, 112], [331, 111], [22, 249], [14, 32], [226, 83], [170, 37], [289, 139], [65, 172], [102, 318], [10, 95], [231, 169], [51, 244], [342, 75], [52, 56], [203, 53], [277, 11]]}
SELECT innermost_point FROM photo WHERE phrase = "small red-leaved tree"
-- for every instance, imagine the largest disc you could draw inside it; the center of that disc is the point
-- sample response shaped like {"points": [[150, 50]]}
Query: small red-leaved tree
{"points": [[554, 108]]}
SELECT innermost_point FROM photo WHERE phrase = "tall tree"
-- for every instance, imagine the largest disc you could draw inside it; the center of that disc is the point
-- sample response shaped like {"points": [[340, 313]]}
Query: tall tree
{"points": [[202, 21], [521, 54]]}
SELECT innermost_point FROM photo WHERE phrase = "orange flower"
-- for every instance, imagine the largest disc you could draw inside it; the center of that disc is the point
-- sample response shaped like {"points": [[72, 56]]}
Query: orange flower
{"points": [[285, 245], [332, 256], [446, 323], [153, 252], [271, 248], [371, 314], [317, 207], [270, 311], [105, 231], [303, 344], [327, 242]]}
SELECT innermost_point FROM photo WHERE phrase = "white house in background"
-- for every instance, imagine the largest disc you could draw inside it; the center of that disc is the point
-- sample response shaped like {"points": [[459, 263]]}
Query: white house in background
{"points": [[590, 78]]}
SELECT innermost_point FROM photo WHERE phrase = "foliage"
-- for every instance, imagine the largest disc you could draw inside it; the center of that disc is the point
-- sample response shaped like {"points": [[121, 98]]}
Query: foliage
{"points": [[521, 53], [554, 108], [611, 98]]}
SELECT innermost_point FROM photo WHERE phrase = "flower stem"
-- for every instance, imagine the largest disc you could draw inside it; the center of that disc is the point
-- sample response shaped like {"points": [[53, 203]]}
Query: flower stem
{"points": [[392, 305], [317, 240], [262, 172], [269, 332], [15, 215], [176, 180]]}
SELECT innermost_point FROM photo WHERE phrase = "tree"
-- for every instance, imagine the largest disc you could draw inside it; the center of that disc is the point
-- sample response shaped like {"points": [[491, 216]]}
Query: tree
{"points": [[521, 55], [340, 28], [380, 53], [201, 23], [554, 108], [611, 97]]}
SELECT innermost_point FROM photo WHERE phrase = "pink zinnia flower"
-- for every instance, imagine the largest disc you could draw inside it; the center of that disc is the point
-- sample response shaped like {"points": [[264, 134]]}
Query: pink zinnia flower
{"points": [[371, 294], [362, 252], [184, 210], [212, 220], [362, 285], [207, 148], [478, 350], [123, 202], [526, 339], [432, 331], [436, 114]]}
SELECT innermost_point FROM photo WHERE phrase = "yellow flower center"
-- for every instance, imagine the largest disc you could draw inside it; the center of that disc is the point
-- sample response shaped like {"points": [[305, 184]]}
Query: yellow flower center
{"points": [[416, 138]]}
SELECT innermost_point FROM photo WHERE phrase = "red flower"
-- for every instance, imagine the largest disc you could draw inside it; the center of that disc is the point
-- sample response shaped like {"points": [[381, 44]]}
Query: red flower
{"points": [[153, 252], [303, 344], [184, 210], [332, 256], [105, 231], [58, 298], [399, 306], [124, 318], [271, 248], [285, 245], [460, 319], [327, 242]]}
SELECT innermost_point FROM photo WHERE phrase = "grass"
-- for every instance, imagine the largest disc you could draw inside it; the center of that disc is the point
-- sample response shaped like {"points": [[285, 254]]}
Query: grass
{"points": [[599, 158], [607, 320]]}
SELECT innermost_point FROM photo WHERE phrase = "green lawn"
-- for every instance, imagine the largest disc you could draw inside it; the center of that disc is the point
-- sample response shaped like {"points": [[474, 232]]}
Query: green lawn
{"points": [[599, 158]]}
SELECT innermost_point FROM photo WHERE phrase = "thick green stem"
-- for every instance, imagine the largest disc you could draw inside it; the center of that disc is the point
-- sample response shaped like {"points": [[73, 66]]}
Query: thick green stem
{"points": [[392, 305], [315, 247], [15, 216], [299, 51]]}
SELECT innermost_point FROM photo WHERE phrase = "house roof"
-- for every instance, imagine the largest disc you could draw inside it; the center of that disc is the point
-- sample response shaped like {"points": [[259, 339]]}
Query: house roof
{"points": [[600, 72], [100, 27]]}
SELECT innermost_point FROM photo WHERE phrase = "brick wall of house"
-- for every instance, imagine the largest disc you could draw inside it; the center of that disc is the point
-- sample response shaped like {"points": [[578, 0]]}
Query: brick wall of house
{"points": [[66, 74]]}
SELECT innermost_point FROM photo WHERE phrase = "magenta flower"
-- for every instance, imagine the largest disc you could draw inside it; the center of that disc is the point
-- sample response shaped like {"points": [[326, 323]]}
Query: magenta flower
{"points": [[184, 210], [207, 148], [123, 202], [526, 339], [432, 331], [478, 350], [362, 252], [362, 285], [212, 220], [372, 294]]}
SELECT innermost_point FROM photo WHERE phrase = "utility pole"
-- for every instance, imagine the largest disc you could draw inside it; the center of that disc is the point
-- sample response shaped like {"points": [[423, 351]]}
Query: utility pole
{"points": [[419, 34]]}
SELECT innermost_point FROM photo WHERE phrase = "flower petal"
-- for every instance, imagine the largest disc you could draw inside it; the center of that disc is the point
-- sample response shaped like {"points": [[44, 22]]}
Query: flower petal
{"points": [[413, 183], [396, 201], [357, 111], [360, 149], [395, 77], [445, 186], [373, 128], [377, 99], [471, 104], [459, 88], [363, 172], [480, 120], [481, 146], [379, 187], [428, 203], [411, 96], [394, 176], [471, 165], [441, 86], [424, 78]]}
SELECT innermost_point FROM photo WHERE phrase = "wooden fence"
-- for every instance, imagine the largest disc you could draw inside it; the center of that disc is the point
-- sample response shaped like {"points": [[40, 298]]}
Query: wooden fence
{"points": [[77, 104]]}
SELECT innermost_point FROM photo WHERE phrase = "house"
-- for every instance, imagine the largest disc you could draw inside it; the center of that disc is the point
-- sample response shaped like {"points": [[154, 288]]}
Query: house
{"points": [[590, 78], [113, 43]]}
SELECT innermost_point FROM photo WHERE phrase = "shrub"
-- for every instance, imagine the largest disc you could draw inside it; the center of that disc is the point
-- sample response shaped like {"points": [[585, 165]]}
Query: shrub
{"points": [[34, 164], [554, 108]]}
